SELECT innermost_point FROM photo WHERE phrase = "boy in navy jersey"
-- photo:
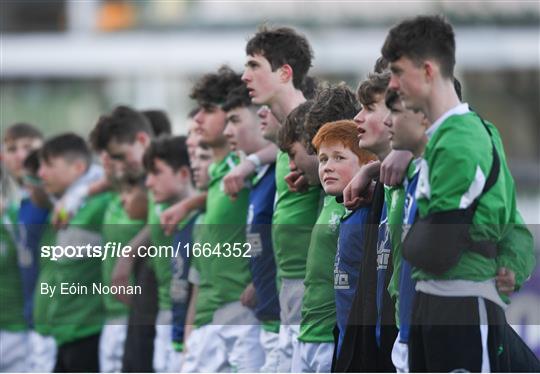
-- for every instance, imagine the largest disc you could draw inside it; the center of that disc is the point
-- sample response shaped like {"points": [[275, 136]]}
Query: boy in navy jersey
{"points": [[340, 158]]}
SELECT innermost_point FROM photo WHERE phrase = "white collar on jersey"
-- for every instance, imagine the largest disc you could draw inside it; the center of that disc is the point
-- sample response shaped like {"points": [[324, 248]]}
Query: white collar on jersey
{"points": [[459, 109]]}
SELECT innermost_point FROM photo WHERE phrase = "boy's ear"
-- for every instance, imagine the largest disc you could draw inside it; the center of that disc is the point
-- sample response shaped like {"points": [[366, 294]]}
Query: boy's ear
{"points": [[80, 166], [185, 172], [430, 69], [143, 138], [286, 73]]}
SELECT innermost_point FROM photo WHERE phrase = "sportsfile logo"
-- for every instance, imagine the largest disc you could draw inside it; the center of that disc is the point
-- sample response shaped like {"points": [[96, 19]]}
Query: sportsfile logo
{"points": [[117, 250], [109, 250]]}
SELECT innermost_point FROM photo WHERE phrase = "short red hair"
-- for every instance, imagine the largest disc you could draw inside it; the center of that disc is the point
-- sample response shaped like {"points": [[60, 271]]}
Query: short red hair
{"points": [[342, 132]]}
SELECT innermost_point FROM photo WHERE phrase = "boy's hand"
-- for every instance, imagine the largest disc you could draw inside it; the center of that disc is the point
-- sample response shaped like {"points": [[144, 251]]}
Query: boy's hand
{"points": [[296, 181], [248, 298], [394, 167], [171, 216], [234, 181], [356, 191], [506, 281]]}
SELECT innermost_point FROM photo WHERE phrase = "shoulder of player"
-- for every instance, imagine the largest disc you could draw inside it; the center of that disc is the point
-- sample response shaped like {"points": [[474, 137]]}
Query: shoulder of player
{"points": [[93, 208], [460, 139]]}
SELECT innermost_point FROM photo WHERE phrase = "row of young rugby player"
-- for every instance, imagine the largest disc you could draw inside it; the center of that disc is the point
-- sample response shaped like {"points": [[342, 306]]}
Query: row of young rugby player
{"points": [[331, 284]]}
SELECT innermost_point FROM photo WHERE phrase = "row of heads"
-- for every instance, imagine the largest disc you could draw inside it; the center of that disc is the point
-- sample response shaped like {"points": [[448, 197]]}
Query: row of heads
{"points": [[419, 38]]}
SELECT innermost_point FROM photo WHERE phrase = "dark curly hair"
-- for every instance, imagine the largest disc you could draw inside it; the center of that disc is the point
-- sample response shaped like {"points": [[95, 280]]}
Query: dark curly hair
{"points": [[374, 86], [212, 89], [332, 103], [292, 129]]}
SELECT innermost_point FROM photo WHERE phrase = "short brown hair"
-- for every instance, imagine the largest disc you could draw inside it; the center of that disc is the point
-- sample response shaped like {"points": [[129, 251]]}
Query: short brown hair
{"points": [[170, 149], [121, 126], [421, 38], [22, 130], [280, 46], [342, 132], [375, 85], [68, 146]]}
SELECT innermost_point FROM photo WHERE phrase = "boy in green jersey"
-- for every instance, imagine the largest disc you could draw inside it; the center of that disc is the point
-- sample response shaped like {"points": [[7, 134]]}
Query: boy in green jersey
{"points": [[199, 317], [18, 140], [76, 316], [458, 314], [43, 357], [24, 227], [276, 67], [168, 180], [124, 134], [119, 228], [406, 132], [223, 277]]}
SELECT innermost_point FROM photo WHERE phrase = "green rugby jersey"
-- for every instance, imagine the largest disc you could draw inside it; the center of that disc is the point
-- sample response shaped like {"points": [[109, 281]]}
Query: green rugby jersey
{"points": [[395, 200], [318, 304], [162, 264], [457, 161], [117, 228], [294, 216], [43, 302], [205, 305], [77, 315], [224, 225], [11, 293]]}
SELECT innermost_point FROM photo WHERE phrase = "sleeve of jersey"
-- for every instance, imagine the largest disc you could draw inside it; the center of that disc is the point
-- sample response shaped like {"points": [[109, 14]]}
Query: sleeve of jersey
{"points": [[516, 250], [451, 177]]}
